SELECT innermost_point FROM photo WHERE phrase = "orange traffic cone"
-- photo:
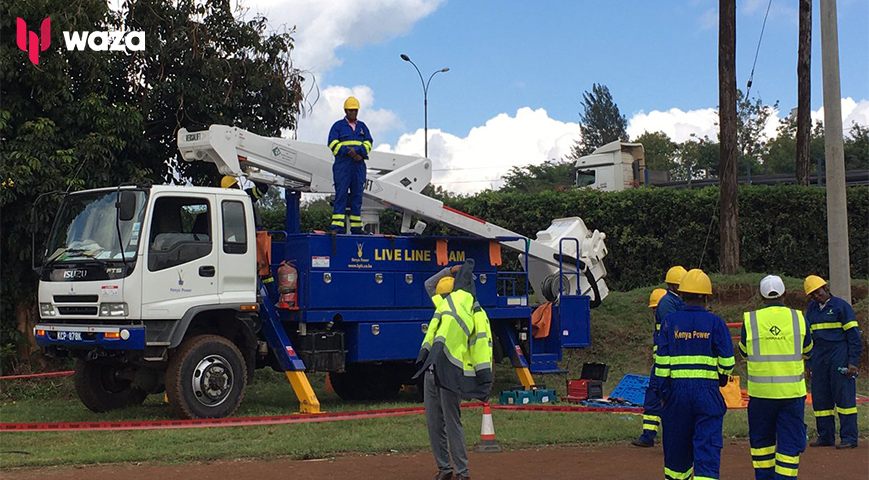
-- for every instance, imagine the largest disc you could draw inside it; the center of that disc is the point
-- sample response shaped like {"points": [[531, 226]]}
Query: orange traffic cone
{"points": [[487, 433]]}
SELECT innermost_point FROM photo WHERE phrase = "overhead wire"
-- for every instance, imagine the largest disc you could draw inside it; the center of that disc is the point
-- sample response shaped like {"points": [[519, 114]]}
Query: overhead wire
{"points": [[757, 51]]}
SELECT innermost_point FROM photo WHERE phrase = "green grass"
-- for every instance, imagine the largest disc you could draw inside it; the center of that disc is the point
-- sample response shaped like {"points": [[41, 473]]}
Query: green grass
{"points": [[621, 337]]}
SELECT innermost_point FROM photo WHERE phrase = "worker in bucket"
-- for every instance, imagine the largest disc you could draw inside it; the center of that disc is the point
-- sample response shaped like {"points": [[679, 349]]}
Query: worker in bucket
{"points": [[838, 346], [350, 142], [456, 361], [652, 401], [695, 358], [775, 340]]}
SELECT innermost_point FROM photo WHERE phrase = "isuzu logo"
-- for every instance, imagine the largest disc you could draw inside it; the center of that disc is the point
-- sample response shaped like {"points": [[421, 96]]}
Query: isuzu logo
{"points": [[75, 273]]}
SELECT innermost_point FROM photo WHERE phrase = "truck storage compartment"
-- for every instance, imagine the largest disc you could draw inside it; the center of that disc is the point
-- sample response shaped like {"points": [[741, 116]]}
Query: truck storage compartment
{"points": [[322, 351], [379, 341]]}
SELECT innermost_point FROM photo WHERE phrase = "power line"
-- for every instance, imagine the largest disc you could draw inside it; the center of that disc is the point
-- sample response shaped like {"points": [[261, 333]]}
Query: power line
{"points": [[762, 28]]}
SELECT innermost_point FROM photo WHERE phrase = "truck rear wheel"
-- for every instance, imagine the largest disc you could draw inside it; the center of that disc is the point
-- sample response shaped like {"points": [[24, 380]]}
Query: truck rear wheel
{"points": [[206, 378], [101, 386]]}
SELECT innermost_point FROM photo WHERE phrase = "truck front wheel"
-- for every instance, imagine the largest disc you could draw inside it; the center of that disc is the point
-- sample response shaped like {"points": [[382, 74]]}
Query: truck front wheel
{"points": [[103, 385], [206, 378]]}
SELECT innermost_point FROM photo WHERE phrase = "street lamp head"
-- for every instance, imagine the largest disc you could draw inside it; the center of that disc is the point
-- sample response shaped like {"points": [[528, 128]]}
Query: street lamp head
{"points": [[405, 57], [445, 69]]}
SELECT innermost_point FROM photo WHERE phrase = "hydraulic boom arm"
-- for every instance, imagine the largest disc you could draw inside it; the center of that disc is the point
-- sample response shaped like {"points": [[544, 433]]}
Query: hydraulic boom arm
{"points": [[397, 181]]}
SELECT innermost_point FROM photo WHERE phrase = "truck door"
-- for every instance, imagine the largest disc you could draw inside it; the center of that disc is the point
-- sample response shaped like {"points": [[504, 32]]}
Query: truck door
{"points": [[181, 257], [236, 275]]}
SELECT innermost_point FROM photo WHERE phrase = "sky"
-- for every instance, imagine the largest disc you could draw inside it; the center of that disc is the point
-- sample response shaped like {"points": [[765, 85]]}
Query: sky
{"points": [[518, 69]]}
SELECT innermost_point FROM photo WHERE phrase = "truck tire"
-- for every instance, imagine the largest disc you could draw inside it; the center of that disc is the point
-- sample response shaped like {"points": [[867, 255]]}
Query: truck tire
{"points": [[101, 389], [206, 378]]}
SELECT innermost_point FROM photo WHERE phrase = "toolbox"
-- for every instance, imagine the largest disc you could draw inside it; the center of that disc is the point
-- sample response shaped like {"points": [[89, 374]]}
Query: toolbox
{"points": [[590, 383]]}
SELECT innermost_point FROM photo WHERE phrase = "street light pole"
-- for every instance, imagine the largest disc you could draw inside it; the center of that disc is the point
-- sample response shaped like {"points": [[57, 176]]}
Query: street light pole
{"points": [[424, 94]]}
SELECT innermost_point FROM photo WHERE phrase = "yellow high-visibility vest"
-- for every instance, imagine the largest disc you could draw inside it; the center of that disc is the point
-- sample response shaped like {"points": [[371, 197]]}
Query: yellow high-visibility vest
{"points": [[774, 348]]}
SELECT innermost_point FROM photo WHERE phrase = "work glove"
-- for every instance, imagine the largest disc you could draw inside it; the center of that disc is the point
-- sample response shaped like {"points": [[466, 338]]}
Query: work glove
{"points": [[722, 380], [420, 359]]}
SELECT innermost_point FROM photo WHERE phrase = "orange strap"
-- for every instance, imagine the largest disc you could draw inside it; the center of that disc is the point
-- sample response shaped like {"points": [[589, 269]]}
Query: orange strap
{"points": [[541, 319], [494, 254], [441, 252]]}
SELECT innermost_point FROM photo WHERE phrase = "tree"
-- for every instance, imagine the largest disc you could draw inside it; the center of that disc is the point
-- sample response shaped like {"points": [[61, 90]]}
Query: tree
{"points": [[549, 175], [727, 101], [698, 158], [85, 119], [752, 116], [804, 93], [782, 150], [660, 151], [599, 123], [856, 148]]}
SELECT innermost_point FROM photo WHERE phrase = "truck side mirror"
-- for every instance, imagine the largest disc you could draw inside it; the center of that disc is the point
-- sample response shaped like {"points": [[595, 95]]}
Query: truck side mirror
{"points": [[126, 205]]}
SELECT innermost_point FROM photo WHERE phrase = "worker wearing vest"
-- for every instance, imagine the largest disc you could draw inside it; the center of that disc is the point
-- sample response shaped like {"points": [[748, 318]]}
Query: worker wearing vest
{"points": [[438, 287], [775, 340], [456, 358], [837, 346], [695, 357], [350, 142], [652, 400]]}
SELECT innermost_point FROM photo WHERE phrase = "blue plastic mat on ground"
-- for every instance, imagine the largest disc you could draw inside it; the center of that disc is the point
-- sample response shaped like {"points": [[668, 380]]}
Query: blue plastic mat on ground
{"points": [[632, 388]]}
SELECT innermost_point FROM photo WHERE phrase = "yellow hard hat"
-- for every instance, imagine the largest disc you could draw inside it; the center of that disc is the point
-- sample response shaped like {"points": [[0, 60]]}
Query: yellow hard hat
{"points": [[228, 182], [351, 104], [675, 274], [812, 283], [656, 296], [445, 285], [695, 281]]}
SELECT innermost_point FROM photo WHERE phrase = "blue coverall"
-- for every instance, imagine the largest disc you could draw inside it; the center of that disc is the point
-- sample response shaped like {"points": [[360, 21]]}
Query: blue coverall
{"points": [[348, 174], [837, 344], [668, 304], [777, 426], [694, 349]]}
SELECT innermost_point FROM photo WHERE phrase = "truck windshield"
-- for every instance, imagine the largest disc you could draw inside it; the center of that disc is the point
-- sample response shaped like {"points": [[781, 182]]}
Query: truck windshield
{"points": [[86, 228]]}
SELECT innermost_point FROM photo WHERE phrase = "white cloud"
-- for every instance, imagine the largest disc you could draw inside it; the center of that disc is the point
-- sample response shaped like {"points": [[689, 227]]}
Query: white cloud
{"points": [[480, 160], [852, 112], [330, 108], [680, 125], [324, 26]]}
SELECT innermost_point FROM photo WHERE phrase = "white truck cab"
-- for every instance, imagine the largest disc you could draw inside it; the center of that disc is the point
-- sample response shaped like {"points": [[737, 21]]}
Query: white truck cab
{"points": [[170, 258], [613, 167]]}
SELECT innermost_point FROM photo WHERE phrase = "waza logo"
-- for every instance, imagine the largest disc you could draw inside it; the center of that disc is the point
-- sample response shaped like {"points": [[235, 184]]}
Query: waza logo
{"points": [[31, 43]]}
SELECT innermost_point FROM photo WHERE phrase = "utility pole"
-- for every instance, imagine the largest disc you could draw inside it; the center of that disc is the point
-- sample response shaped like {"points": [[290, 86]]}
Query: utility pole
{"points": [[834, 152], [804, 93], [729, 196]]}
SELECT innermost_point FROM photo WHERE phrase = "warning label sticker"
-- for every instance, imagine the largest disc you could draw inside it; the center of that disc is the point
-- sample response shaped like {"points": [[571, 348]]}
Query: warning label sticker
{"points": [[320, 262]]}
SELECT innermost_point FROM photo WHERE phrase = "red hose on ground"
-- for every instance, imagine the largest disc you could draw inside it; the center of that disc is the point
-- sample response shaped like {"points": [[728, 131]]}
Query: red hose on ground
{"points": [[38, 375]]}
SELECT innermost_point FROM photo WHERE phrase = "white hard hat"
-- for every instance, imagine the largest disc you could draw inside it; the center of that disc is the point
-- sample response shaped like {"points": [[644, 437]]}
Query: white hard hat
{"points": [[772, 286]]}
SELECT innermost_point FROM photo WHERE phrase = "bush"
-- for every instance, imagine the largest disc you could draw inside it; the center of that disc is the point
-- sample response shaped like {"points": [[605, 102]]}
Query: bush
{"points": [[783, 229]]}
